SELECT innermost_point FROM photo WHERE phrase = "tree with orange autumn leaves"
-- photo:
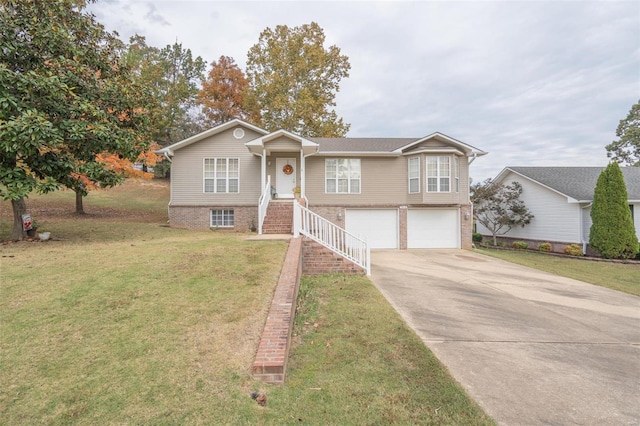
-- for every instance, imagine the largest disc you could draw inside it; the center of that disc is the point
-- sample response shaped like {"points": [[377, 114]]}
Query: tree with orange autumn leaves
{"points": [[223, 94]]}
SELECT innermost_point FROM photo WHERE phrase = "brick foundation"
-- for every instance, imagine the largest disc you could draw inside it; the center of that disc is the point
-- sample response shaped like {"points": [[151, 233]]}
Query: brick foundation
{"points": [[198, 218], [318, 260]]}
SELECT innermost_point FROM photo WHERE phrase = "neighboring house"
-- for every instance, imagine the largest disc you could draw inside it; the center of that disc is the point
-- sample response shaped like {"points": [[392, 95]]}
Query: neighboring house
{"points": [[560, 198], [391, 192]]}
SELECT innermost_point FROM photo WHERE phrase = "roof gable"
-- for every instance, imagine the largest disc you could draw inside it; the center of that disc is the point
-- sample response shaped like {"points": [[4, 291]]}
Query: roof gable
{"points": [[577, 183], [469, 150], [208, 133]]}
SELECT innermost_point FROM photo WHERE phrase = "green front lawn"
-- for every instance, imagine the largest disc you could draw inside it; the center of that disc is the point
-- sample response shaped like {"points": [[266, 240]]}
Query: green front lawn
{"points": [[617, 276], [121, 320]]}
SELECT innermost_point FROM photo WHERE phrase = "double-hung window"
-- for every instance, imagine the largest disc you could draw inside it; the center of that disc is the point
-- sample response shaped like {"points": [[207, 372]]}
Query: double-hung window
{"points": [[438, 174], [222, 175], [414, 175], [342, 175]]}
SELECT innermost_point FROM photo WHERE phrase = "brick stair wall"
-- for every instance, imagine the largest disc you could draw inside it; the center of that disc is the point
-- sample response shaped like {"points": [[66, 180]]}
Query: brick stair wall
{"points": [[318, 260], [279, 218]]}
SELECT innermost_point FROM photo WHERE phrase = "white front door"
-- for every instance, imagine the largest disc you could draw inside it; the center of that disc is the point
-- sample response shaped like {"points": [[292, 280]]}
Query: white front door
{"points": [[285, 182]]}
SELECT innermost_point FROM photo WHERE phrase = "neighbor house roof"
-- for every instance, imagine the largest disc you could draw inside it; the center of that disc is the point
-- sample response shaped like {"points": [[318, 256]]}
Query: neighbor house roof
{"points": [[578, 183]]}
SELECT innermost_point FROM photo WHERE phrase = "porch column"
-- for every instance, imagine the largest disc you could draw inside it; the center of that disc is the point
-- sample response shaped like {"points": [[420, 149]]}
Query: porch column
{"points": [[263, 170], [302, 174]]}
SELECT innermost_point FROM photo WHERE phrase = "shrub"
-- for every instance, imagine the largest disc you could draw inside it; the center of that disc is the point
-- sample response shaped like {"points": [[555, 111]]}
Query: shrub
{"points": [[612, 232], [520, 245], [545, 247], [477, 238], [573, 250]]}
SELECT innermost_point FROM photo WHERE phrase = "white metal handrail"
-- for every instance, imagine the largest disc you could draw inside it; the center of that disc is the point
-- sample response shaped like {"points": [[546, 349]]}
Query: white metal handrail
{"points": [[263, 204], [331, 236]]}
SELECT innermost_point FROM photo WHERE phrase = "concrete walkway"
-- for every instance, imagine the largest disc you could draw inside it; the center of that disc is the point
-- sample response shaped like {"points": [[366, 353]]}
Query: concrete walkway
{"points": [[530, 347]]}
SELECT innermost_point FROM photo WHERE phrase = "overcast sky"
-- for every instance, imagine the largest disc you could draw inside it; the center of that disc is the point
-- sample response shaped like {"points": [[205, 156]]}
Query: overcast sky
{"points": [[533, 83]]}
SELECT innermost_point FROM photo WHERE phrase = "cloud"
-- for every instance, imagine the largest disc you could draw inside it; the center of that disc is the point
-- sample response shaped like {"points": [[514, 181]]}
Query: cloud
{"points": [[533, 83], [154, 17]]}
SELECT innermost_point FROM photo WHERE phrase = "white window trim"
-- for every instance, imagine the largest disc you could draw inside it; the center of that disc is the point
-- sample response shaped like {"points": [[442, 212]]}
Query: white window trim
{"points": [[439, 176], [416, 177], [349, 192], [225, 213], [215, 178]]}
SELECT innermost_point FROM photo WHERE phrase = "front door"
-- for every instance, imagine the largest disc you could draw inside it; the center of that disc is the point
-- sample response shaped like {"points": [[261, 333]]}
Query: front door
{"points": [[286, 172]]}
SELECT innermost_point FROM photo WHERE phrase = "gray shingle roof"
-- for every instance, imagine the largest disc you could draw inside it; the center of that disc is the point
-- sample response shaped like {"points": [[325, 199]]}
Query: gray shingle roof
{"points": [[361, 144], [579, 182]]}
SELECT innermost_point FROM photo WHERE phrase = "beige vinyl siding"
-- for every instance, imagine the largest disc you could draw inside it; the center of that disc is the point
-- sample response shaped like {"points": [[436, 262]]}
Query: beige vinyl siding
{"points": [[383, 180], [187, 171], [283, 143], [431, 143]]}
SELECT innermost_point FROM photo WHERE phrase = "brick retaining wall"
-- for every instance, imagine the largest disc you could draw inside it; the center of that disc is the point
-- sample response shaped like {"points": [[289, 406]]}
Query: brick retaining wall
{"points": [[271, 359]]}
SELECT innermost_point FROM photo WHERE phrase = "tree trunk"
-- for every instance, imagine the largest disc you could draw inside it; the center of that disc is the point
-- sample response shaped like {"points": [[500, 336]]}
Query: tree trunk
{"points": [[19, 208], [79, 206], [495, 240]]}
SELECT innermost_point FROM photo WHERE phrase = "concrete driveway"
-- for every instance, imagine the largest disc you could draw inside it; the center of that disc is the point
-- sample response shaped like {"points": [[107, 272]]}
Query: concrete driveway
{"points": [[530, 347]]}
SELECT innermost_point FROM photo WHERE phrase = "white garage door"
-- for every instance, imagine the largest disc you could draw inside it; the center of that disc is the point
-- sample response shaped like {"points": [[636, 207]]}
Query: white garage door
{"points": [[379, 227], [432, 228]]}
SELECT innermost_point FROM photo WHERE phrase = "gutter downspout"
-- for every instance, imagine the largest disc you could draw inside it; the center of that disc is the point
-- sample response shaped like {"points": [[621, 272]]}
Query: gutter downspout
{"points": [[584, 242]]}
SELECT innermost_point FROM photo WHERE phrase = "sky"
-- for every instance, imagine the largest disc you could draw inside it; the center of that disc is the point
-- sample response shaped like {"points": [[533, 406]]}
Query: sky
{"points": [[533, 83]]}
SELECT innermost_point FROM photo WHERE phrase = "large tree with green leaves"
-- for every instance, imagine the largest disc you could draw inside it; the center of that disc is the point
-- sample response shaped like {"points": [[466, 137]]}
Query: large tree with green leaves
{"points": [[612, 233], [294, 80], [626, 150], [498, 207], [65, 98], [173, 76]]}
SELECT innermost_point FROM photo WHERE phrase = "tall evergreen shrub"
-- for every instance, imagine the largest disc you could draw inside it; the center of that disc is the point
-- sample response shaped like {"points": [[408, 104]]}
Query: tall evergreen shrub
{"points": [[612, 232]]}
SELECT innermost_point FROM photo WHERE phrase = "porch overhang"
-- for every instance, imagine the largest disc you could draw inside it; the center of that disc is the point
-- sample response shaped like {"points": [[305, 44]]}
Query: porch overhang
{"points": [[261, 146]]}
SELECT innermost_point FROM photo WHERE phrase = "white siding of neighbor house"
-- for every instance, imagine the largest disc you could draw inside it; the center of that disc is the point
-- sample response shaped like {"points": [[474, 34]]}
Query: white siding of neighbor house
{"points": [[187, 171], [636, 218], [555, 218]]}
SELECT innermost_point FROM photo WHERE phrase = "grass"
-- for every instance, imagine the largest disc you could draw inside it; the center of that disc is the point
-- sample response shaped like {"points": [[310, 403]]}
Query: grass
{"points": [[122, 320], [616, 276]]}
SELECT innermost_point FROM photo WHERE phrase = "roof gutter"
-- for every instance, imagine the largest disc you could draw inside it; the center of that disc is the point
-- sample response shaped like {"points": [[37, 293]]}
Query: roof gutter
{"points": [[473, 158]]}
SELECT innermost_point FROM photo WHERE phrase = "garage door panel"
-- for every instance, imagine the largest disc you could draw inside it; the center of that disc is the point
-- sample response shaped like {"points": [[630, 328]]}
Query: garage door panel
{"points": [[379, 227], [433, 228]]}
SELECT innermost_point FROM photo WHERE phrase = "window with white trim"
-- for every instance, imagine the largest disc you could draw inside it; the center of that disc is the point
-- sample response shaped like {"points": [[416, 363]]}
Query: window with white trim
{"points": [[342, 175], [414, 175], [438, 174], [222, 175], [223, 218], [456, 172]]}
